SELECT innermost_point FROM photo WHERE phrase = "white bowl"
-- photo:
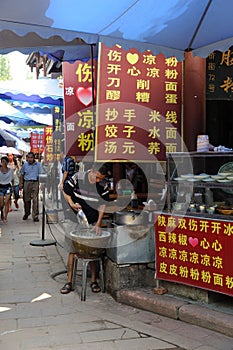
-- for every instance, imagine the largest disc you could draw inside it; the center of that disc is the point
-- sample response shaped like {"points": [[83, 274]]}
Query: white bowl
{"points": [[217, 177], [186, 176]]}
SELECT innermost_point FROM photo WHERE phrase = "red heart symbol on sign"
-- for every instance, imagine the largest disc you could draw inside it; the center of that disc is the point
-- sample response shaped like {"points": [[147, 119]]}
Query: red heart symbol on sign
{"points": [[84, 95], [193, 241]]}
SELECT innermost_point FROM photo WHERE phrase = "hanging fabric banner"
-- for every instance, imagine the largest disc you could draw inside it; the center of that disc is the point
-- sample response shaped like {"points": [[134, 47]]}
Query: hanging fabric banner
{"points": [[139, 105], [79, 99]]}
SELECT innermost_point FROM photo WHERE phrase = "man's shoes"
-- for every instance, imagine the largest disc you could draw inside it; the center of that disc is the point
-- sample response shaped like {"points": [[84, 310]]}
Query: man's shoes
{"points": [[67, 288], [95, 288], [16, 204], [36, 220], [25, 217]]}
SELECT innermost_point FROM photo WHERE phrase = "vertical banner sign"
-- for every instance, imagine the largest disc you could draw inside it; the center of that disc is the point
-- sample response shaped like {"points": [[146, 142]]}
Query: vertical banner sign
{"points": [[48, 142], [219, 77], [58, 132], [37, 142], [139, 105], [78, 111], [195, 251]]}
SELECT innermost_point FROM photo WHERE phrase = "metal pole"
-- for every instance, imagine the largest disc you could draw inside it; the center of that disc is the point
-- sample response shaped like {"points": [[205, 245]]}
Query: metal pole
{"points": [[43, 242], [43, 218]]}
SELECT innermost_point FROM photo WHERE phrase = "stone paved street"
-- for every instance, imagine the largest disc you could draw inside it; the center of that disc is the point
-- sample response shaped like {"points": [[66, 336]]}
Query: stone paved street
{"points": [[35, 316]]}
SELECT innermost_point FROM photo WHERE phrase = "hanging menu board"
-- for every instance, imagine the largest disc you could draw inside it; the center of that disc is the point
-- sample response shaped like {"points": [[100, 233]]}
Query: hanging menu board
{"points": [[138, 105]]}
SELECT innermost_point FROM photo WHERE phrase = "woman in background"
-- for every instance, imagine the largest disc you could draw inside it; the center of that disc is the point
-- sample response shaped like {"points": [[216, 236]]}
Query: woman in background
{"points": [[14, 165], [6, 182], [15, 187]]}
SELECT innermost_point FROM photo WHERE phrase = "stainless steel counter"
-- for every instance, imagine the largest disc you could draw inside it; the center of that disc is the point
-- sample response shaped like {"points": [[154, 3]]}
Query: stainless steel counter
{"points": [[130, 244]]}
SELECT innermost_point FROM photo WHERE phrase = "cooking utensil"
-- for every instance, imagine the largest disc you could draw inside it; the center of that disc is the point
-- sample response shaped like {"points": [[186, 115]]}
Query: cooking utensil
{"points": [[130, 217], [82, 219], [225, 210]]}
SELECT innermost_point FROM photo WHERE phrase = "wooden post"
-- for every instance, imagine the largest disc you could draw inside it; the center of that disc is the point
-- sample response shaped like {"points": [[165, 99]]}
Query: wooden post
{"points": [[194, 99]]}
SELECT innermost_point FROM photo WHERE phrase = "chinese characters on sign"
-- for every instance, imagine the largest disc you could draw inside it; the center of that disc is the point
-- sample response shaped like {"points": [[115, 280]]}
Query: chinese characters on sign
{"points": [[194, 251], [48, 144], [139, 105], [58, 133], [37, 142], [219, 78], [78, 107]]}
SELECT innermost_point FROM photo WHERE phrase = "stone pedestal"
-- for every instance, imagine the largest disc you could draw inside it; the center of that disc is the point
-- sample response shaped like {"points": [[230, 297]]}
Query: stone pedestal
{"points": [[136, 276], [193, 293], [127, 276]]}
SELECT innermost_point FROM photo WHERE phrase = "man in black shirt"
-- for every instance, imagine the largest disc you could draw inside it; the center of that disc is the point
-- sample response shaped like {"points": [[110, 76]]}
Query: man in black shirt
{"points": [[89, 193]]}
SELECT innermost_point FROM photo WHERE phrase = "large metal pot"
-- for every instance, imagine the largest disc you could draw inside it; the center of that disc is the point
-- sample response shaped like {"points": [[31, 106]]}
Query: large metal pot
{"points": [[87, 243], [130, 217]]}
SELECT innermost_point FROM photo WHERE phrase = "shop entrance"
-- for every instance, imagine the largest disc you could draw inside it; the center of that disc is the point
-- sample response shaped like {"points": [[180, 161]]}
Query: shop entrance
{"points": [[219, 122]]}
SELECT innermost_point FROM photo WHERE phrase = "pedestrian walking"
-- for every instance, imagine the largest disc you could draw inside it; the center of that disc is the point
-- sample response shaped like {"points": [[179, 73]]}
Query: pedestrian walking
{"points": [[15, 166], [29, 181], [6, 182]]}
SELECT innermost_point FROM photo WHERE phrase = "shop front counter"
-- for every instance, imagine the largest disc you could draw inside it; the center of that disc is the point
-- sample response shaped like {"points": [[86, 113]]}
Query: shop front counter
{"points": [[130, 256], [195, 251]]}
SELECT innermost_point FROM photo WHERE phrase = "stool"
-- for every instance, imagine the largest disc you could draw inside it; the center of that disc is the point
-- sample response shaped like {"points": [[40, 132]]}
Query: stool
{"points": [[85, 261]]}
